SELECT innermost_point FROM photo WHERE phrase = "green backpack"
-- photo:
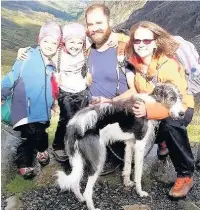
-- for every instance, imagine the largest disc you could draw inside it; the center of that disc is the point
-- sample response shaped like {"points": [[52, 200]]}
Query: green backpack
{"points": [[6, 106]]}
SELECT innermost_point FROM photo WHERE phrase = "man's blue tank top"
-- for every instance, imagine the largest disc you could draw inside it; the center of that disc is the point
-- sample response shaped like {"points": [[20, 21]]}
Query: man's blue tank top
{"points": [[102, 66]]}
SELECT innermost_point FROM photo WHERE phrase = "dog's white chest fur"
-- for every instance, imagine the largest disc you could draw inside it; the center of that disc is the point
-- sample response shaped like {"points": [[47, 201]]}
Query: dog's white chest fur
{"points": [[112, 133]]}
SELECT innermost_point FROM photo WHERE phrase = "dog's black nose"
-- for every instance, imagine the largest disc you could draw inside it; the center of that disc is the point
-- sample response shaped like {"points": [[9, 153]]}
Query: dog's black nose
{"points": [[181, 114]]}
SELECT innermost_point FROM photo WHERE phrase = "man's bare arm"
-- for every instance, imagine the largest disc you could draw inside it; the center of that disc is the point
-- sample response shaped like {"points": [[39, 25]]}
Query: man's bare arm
{"points": [[22, 53], [131, 91]]}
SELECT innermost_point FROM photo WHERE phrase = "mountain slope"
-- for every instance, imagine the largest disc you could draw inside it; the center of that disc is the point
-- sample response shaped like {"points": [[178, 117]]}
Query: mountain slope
{"points": [[74, 8], [39, 6], [119, 10]]}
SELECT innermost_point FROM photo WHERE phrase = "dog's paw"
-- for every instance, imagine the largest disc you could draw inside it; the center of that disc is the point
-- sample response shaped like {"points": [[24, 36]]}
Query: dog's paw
{"points": [[143, 193], [128, 183]]}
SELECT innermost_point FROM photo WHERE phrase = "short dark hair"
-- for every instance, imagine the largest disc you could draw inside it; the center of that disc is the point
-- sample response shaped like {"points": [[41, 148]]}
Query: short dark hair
{"points": [[103, 7]]}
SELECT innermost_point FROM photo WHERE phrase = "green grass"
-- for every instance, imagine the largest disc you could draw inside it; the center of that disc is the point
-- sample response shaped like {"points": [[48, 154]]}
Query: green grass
{"points": [[18, 185], [194, 133], [52, 129], [7, 59]]}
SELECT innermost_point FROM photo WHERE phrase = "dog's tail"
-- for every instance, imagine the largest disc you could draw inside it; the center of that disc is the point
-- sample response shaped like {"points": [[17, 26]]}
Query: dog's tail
{"points": [[71, 181], [90, 152]]}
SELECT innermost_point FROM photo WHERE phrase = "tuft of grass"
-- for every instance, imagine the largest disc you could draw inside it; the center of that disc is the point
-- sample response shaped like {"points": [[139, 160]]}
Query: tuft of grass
{"points": [[18, 185], [53, 125], [194, 133]]}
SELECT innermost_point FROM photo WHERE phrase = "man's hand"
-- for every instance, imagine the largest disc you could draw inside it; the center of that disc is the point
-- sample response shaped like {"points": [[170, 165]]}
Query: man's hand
{"points": [[22, 53], [2, 102], [139, 109], [100, 100]]}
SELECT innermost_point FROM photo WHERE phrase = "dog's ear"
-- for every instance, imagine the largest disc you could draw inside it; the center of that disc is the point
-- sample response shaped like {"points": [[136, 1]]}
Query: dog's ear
{"points": [[157, 90]]}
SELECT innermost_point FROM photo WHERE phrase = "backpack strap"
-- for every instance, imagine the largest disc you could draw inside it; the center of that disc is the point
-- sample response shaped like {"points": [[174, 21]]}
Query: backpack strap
{"points": [[59, 58], [178, 63], [87, 52], [120, 63], [154, 80]]}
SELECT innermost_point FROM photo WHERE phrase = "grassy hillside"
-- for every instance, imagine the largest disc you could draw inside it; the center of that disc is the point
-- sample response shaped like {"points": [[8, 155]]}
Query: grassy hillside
{"points": [[75, 8], [42, 6]]}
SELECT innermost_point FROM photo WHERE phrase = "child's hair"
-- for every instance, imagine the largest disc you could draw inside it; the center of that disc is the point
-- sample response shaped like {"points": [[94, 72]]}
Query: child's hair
{"points": [[73, 30], [50, 28]]}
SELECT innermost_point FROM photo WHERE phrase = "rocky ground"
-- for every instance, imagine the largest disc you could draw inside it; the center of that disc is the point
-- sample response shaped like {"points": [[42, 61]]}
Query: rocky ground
{"points": [[110, 196], [109, 193]]}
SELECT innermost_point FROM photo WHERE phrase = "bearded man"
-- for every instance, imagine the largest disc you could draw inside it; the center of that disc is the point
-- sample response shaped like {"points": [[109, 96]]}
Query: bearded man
{"points": [[108, 83]]}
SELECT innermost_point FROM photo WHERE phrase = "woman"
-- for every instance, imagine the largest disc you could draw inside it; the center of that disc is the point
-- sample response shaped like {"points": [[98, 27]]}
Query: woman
{"points": [[151, 51]]}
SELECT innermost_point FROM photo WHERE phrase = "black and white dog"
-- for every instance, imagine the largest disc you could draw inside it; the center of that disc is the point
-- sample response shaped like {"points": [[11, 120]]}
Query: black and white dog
{"points": [[92, 128]]}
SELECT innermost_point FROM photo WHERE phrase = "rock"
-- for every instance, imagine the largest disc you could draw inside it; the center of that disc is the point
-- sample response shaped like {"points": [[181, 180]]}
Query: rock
{"points": [[13, 203], [187, 205], [9, 141], [136, 207], [198, 152]]}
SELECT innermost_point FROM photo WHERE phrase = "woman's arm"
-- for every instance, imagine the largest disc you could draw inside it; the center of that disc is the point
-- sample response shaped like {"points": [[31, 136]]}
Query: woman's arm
{"points": [[171, 74]]}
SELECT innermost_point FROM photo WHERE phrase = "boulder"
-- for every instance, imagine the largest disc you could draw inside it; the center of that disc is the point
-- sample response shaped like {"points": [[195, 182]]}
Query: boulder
{"points": [[9, 142]]}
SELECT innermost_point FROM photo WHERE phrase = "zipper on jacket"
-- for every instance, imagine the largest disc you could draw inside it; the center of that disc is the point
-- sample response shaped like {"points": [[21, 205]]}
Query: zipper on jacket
{"points": [[45, 92], [29, 105]]}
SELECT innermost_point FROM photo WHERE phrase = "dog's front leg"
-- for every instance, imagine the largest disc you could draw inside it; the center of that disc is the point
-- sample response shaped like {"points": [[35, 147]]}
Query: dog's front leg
{"points": [[128, 163], [139, 159]]}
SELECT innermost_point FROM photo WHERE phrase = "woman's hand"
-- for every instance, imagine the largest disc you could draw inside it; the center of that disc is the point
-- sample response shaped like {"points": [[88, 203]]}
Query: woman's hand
{"points": [[139, 109], [22, 53]]}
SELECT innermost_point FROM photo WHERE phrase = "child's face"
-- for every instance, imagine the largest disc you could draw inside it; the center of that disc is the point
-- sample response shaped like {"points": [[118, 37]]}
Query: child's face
{"points": [[74, 45], [49, 45]]}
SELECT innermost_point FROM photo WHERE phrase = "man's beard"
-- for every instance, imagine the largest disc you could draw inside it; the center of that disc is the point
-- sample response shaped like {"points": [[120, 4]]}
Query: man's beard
{"points": [[103, 39]]}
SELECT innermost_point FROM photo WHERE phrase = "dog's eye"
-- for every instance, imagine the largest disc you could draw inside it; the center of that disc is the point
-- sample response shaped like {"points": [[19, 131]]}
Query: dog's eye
{"points": [[173, 99]]}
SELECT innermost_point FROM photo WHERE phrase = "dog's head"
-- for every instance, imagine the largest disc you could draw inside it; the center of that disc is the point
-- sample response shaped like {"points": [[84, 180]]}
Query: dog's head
{"points": [[169, 95]]}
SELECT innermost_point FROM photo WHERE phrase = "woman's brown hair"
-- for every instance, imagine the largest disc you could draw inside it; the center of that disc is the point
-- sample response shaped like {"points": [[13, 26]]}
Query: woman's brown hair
{"points": [[165, 42]]}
